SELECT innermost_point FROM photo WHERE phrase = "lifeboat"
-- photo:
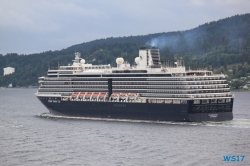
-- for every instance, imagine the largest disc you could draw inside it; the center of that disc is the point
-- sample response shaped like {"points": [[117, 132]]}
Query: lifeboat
{"points": [[81, 94], [95, 95], [102, 94], [123, 95], [115, 94], [74, 94], [132, 94], [88, 95]]}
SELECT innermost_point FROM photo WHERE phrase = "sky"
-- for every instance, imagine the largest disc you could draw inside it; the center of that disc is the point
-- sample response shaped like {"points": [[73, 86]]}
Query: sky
{"points": [[34, 26]]}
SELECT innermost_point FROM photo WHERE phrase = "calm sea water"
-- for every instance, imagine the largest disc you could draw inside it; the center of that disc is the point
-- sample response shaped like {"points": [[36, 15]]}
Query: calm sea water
{"points": [[29, 139]]}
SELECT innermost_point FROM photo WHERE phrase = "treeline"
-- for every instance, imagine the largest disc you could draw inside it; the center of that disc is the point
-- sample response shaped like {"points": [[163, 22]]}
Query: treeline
{"points": [[222, 46]]}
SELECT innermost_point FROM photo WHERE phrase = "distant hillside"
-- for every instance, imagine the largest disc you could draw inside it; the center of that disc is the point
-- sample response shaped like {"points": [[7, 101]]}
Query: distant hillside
{"points": [[230, 32], [219, 44]]}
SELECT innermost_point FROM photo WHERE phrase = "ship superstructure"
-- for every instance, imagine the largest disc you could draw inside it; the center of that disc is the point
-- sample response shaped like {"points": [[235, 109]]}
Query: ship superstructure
{"points": [[150, 90]]}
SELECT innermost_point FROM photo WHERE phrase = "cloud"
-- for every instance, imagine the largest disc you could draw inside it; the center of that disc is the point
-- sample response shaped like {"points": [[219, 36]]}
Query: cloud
{"points": [[28, 25], [43, 15], [206, 3], [198, 2], [229, 2]]}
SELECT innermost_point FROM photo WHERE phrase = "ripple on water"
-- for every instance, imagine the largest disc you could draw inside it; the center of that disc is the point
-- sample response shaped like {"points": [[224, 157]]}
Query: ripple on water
{"points": [[237, 123], [27, 139]]}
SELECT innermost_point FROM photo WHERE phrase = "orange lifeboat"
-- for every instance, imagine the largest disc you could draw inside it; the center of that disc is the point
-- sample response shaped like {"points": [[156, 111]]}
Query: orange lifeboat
{"points": [[81, 94], [115, 94], [95, 94], [74, 94], [102, 95], [88, 94]]}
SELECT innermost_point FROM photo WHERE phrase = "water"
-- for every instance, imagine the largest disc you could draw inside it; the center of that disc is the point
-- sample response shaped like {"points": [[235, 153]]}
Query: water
{"points": [[30, 137]]}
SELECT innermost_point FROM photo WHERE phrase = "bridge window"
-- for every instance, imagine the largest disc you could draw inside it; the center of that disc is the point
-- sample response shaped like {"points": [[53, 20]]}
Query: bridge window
{"points": [[213, 101], [221, 100], [196, 101], [205, 101]]}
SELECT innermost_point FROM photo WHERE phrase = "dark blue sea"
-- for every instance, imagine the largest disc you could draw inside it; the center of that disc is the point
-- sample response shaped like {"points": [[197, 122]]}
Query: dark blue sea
{"points": [[28, 137]]}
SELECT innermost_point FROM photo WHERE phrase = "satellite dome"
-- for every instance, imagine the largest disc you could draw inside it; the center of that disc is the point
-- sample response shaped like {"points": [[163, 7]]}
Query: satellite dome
{"points": [[137, 60], [82, 61], [119, 61]]}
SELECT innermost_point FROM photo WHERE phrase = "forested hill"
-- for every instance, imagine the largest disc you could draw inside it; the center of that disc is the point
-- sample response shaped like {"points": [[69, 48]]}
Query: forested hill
{"points": [[222, 44], [230, 32]]}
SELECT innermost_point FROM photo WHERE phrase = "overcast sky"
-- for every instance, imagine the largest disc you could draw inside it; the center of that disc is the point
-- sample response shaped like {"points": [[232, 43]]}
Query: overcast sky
{"points": [[33, 26]]}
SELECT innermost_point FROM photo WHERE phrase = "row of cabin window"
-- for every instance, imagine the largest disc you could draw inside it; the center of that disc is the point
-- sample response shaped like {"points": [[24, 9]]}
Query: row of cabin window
{"points": [[131, 78], [167, 101], [135, 79], [136, 87], [185, 92], [204, 78], [171, 87], [149, 91], [206, 101], [130, 90], [170, 83], [134, 83], [132, 87], [70, 86], [183, 96], [211, 107], [71, 90]]}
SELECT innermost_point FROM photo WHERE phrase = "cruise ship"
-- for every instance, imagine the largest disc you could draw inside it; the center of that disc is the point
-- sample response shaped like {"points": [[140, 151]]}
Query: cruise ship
{"points": [[149, 90]]}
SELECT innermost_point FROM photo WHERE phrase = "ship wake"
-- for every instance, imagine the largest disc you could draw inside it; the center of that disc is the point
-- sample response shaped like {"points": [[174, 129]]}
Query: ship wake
{"points": [[235, 123]]}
